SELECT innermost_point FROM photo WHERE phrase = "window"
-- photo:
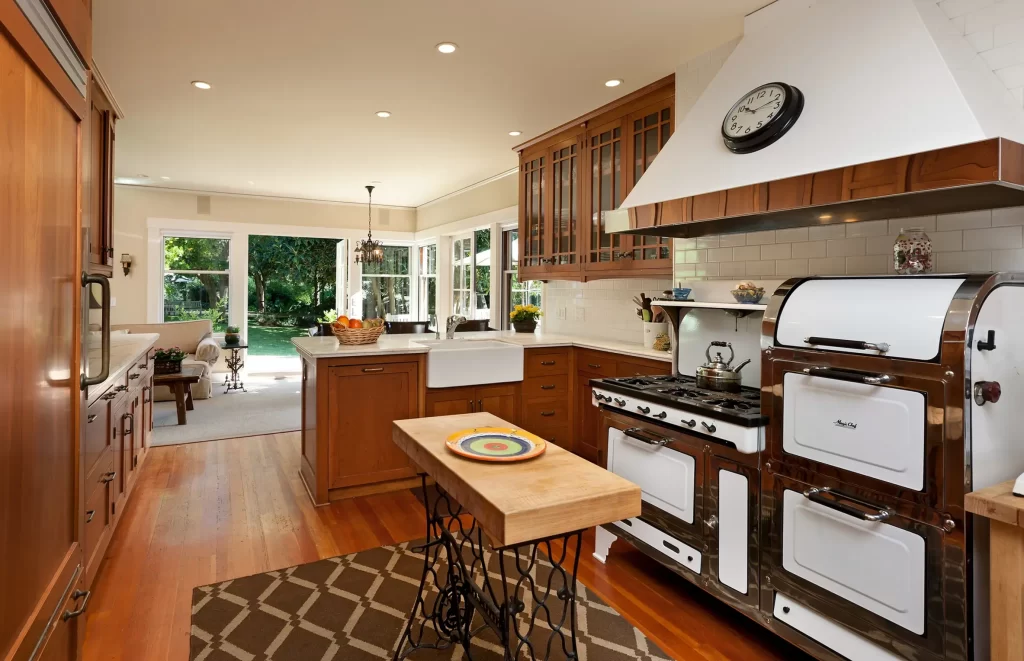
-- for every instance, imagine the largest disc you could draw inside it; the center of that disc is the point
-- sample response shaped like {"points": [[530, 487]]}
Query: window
{"points": [[471, 275], [428, 283], [386, 286], [196, 279], [516, 293]]}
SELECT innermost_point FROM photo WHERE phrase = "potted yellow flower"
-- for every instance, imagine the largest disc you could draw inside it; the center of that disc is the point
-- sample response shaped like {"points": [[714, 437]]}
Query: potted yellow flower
{"points": [[524, 318]]}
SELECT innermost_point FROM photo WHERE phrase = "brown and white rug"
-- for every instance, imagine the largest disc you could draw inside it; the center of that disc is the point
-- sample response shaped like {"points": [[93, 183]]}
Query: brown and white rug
{"points": [[354, 608]]}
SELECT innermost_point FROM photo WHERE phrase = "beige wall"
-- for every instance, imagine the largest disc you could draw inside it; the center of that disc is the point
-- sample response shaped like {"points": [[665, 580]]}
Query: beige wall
{"points": [[134, 205], [500, 193]]}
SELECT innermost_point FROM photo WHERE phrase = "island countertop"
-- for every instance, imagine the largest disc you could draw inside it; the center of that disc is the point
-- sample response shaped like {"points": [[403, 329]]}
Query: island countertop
{"points": [[125, 348], [329, 347]]}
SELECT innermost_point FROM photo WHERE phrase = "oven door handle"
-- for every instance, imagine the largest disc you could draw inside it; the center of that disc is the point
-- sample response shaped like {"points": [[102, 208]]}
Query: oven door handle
{"points": [[645, 437], [818, 495], [849, 375], [880, 347]]}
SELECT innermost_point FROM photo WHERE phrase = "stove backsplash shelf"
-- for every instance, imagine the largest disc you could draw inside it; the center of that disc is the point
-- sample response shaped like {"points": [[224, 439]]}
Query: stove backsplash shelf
{"points": [[675, 311]]}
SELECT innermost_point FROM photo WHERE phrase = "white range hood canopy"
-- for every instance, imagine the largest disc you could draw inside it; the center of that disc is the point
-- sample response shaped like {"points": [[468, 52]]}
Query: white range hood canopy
{"points": [[881, 78]]}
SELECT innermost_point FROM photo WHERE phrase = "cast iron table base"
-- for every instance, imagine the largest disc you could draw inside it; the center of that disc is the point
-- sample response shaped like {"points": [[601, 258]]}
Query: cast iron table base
{"points": [[461, 586], [234, 363]]}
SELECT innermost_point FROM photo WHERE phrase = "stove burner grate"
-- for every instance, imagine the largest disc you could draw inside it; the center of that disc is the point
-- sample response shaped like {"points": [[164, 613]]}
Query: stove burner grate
{"points": [[735, 404], [686, 393], [633, 381]]}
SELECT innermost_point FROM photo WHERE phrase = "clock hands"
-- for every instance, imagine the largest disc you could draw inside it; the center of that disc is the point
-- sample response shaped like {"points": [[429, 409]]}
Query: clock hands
{"points": [[765, 104]]}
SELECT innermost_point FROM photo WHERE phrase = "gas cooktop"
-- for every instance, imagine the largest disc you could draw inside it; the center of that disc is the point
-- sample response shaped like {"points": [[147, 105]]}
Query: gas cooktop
{"points": [[682, 392]]}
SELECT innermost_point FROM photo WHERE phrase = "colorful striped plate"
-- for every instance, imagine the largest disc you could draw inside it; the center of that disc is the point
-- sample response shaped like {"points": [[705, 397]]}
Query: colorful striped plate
{"points": [[496, 444]]}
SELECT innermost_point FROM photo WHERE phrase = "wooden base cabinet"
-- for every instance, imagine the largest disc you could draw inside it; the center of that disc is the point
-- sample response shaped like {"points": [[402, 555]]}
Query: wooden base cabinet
{"points": [[547, 399], [501, 399]]}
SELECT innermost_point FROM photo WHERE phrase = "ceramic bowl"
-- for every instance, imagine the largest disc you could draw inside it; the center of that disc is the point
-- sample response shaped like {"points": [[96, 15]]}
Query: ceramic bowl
{"points": [[749, 296]]}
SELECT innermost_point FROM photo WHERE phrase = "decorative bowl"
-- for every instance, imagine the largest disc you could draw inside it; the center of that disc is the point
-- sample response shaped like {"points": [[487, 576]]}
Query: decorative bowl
{"points": [[677, 293], [748, 296]]}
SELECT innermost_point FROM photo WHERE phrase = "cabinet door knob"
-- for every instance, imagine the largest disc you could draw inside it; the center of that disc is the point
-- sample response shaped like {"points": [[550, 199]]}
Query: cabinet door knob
{"points": [[712, 522]]}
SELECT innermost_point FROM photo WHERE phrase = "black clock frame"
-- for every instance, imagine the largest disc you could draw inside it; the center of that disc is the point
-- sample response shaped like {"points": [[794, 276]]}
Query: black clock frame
{"points": [[774, 129]]}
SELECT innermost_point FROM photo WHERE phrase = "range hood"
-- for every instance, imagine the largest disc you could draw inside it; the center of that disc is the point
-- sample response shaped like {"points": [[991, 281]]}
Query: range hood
{"points": [[901, 118]]}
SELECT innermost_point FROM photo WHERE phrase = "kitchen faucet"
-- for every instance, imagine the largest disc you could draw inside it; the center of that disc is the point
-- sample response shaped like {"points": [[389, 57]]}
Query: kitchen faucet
{"points": [[453, 323]]}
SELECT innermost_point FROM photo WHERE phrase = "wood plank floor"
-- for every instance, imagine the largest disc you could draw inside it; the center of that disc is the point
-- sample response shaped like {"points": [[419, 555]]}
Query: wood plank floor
{"points": [[206, 512]]}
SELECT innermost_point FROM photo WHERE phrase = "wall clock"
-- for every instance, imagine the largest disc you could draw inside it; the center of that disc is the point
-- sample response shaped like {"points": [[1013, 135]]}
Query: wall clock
{"points": [[761, 117]]}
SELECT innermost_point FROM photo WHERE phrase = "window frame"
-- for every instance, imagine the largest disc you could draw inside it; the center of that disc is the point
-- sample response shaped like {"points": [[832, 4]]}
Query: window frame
{"points": [[411, 276], [509, 273], [164, 271], [423, 281]]}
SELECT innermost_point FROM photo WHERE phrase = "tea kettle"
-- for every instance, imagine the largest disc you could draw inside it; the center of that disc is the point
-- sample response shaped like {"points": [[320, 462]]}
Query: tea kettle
{"points": [[718, 374]]}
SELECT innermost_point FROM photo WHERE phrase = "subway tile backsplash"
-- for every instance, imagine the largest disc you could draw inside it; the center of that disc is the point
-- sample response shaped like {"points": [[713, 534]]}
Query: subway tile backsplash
{"points": [[601, 308], [992, 239]]}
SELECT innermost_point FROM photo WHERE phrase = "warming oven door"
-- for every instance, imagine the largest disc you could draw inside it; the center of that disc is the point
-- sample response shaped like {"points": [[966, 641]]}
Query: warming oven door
{"points": [[855, 557], [879, 424], [667, 466]]}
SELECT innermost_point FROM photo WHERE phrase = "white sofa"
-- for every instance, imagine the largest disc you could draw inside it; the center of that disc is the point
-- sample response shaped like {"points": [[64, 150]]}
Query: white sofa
{"points": [[194, 338]]}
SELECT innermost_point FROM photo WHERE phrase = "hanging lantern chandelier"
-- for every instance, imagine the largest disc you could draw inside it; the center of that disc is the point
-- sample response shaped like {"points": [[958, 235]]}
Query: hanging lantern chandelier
{"points": [[369, 251]]}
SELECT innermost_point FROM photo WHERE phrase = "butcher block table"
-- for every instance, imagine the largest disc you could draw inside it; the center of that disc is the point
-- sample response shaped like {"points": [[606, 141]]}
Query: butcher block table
{"points": [[498, 516], [1006, 560]]}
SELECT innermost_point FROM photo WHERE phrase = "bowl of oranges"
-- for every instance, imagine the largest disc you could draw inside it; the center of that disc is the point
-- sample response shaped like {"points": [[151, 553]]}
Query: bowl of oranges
{"points": [[357, 331]]}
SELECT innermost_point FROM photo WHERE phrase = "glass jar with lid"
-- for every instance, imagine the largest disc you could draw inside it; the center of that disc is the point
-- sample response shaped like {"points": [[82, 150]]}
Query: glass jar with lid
{"points": [[912, 252]]}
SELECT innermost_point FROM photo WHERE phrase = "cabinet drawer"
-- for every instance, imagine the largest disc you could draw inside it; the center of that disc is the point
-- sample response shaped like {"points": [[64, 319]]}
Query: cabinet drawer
{"points": [[546, 414], [596, 362], [558, 435], [640, 368], [546, 387], [98, 434], [545, 362], [97, 507]]}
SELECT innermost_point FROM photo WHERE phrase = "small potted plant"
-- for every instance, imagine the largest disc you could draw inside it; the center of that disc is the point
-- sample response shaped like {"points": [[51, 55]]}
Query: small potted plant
{"points": [[168, 361], [524, 318], [232, 335], [325, 321]]}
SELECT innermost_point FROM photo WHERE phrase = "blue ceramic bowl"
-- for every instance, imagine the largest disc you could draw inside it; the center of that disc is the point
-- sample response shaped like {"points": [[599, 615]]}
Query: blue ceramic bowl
{"points": [[750, 296], [681, 293]]}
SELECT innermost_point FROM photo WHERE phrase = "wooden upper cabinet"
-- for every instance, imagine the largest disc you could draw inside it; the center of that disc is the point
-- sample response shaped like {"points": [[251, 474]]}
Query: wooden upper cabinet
{"points": [[75, 16], [572, 177], [98, 177]]}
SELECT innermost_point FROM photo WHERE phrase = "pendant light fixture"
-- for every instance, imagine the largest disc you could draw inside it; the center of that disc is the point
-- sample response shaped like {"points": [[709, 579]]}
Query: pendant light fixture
{"points": [[369, 251]]}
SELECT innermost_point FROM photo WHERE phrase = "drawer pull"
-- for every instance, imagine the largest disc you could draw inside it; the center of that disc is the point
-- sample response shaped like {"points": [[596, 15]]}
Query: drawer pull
{"points": [[89, 514], [130, 418], [134, 376], [551, 387], [595, 366], [120, 388], [142, 366], [91, 417], [643, 409], [547, 363], [817, 495], [373, 369], [880, 347], [547, 414], [76, 595], [690, 423], [620, 402], [644, 437], [849, 375], [109, 396], [711, 429], [108, 477]]}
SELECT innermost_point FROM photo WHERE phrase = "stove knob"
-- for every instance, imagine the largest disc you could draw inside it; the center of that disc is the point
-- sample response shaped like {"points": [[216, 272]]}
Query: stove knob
{"points": [[661, 416], [620, 402], [690, 423], [987, 391], [643, 409], [711, 428]]}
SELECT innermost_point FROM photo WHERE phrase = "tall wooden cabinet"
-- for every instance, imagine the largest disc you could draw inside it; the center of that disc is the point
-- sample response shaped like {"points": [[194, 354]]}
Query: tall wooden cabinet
{"points": [[572, 177]]}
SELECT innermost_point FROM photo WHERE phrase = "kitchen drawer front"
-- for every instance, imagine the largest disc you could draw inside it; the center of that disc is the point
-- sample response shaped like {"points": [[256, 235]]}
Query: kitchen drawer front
{"points": [[546, 387], [667, 477], [872, 430], [625, 367], [546, 414], [599, 363], [99, 434], [545, 362], [97, 508]]}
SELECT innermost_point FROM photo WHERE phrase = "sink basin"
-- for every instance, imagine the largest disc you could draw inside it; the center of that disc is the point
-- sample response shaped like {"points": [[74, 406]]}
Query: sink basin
{"points": [[452, 363]]}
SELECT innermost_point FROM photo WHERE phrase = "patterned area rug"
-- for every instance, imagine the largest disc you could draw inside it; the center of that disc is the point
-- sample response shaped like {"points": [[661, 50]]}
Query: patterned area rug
{"points": [[354, 608]]}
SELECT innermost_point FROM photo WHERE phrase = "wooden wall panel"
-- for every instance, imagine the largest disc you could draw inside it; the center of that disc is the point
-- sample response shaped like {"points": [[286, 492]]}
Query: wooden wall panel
{"points": [[709, 205], [955, 166], [827, 187], [875, 179], [789, 193]]}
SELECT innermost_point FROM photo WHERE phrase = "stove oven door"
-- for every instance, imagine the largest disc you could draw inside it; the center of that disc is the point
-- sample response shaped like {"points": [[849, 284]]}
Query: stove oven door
{"points": [[879, 424], [667, 465], [855, 558]]}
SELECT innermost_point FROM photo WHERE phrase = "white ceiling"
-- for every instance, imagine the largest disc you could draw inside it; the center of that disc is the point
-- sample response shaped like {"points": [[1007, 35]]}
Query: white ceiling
{"points": [[296, 85]]}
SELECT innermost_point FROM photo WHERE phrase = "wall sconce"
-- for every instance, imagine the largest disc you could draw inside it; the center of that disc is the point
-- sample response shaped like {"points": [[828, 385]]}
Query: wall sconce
{"points": [[126, 263]]}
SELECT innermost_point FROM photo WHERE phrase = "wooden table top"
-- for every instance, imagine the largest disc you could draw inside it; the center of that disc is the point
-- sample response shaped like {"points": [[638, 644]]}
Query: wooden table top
{"points": [[550, 495], [188, 374], [998, 503]]}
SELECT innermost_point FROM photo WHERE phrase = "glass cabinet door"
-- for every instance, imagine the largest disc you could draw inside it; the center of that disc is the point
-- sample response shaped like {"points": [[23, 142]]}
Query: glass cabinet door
{"points": [[565, 158], [605, 192], [532, 211], [649, 130]]}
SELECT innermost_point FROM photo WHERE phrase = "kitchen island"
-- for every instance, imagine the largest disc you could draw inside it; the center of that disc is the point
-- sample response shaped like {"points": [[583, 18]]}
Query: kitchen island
{"points": [[351, 394]]}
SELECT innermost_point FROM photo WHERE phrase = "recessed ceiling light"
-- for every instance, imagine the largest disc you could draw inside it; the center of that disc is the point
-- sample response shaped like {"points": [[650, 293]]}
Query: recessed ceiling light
{"points": [[446, 47], [614, 82], [515, 134], [374, 182], [201, 84], [383, 114], [166, 178]]}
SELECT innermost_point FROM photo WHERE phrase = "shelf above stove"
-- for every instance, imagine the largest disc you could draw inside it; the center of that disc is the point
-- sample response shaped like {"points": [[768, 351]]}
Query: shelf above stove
{"points": [[748, 307]]}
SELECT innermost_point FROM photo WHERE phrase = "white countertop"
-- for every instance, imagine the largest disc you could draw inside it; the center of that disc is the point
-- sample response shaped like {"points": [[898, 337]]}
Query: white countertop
{"points": [[329, 347], [125, 348]]}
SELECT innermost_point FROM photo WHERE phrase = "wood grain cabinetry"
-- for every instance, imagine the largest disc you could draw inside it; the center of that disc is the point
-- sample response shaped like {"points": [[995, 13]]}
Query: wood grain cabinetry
{"points": [[501, 399], [98, 176], [547, 398], [570, 178]]}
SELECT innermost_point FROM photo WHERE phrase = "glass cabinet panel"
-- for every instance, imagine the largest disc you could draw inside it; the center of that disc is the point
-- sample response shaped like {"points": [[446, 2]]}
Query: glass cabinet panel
{"points": [[650, 131], [533, 212], [606, 193], [565, 191]]}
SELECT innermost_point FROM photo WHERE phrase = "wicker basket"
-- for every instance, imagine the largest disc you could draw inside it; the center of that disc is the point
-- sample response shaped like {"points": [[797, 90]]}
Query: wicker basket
{"points": [[358, 335], [167, 366]]}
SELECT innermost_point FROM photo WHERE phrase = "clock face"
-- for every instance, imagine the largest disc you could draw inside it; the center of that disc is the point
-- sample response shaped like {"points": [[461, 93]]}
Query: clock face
{"points": [[754, 111]]}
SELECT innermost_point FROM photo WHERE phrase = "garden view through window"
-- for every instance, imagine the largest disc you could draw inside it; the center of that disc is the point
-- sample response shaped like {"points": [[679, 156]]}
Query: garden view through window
{"points": [[196, 277], [386, 286], [516, 293]]}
